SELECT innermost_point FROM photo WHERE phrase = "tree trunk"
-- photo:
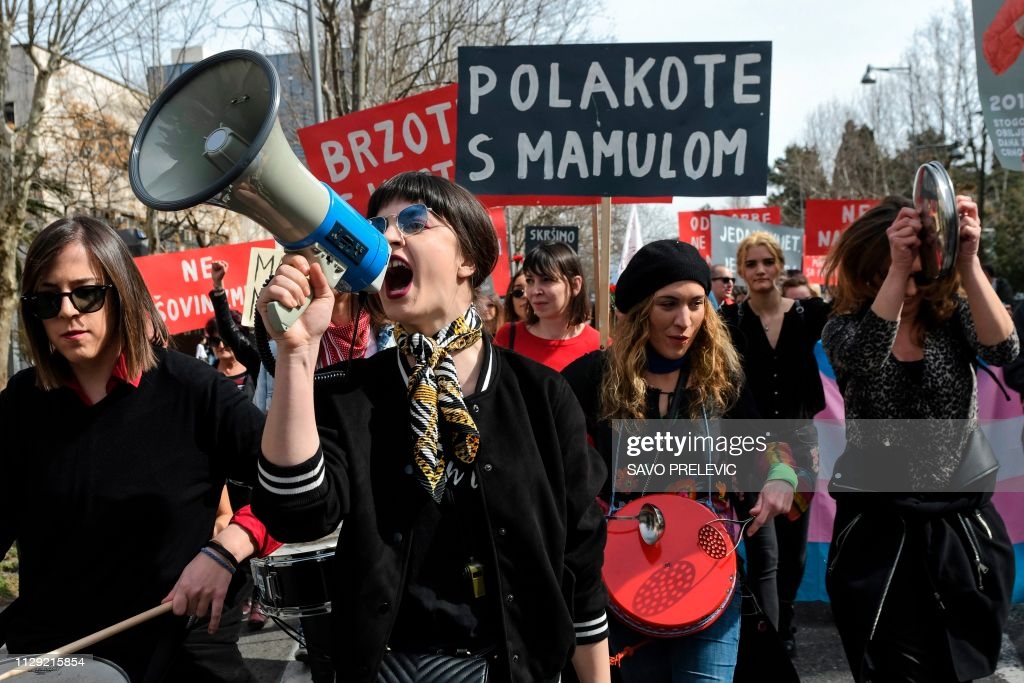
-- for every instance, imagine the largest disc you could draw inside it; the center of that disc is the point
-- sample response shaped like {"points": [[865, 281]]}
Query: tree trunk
{"points": [[10, 231], [360, 23]]}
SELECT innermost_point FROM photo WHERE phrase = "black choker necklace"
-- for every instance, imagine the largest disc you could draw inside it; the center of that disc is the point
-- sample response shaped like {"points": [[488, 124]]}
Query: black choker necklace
{"points": [[659, 365]]}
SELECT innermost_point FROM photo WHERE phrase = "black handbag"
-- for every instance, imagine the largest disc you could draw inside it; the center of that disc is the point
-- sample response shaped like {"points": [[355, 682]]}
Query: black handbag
{"points": [[977, 471], [406, 667]]}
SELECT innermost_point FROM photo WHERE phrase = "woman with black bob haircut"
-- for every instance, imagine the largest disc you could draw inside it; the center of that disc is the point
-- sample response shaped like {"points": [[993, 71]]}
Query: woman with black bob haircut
{"points": [[920, 567], [461, 471], [555, 331], [129, 445]]}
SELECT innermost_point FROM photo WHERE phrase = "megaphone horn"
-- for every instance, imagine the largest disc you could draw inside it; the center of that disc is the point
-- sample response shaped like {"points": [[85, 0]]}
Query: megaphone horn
{"points": [[213, 136]]}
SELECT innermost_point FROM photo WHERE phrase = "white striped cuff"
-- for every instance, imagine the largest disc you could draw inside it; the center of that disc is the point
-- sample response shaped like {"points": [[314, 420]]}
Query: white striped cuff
{"points": [[587, 630], [290, 481]]}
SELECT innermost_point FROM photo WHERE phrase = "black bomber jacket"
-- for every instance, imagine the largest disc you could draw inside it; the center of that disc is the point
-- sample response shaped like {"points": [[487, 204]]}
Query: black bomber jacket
{"points": [[539, 481]]}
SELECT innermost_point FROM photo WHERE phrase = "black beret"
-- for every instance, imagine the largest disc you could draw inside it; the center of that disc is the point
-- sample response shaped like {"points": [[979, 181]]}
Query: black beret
{"points": [[657, 264]]}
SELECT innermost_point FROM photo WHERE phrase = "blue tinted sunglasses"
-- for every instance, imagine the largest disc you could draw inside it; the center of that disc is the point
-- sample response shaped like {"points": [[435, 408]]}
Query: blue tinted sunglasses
{"points": [[411, 220]]}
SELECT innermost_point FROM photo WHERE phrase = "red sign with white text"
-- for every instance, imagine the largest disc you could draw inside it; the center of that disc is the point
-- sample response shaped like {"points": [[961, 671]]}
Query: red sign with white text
{"points": [[695, 226], [180, 283], [500, 276], [825, 220], [357, 152], [812, 268]]}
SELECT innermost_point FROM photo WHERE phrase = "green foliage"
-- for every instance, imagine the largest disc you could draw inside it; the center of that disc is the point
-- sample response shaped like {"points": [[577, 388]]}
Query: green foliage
{"points": [[9, 576], [1003, 240], [864, 169], [798, 176]]}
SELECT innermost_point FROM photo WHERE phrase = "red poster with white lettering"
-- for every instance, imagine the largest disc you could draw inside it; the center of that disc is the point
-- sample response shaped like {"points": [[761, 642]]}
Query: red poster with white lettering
{"points": [[695, 226], [180, 283], [357, 152], [813, 266], [500, 276], [825, 220]]}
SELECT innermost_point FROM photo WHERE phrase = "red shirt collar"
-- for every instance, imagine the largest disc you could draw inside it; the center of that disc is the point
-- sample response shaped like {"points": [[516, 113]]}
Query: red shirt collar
{"points": [[119, 375]]}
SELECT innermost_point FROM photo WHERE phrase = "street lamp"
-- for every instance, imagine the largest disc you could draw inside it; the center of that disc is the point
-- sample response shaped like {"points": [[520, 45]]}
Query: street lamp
{"points": [[953, 151], [868, 79]]}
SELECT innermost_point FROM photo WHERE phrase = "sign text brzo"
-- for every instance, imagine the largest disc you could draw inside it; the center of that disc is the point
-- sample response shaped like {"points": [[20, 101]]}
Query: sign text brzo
{"points": [[643, 119]]}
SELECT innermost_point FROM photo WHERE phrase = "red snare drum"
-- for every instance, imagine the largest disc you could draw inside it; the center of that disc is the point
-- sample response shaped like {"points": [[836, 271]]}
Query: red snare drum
{"points": [[678, 585]]}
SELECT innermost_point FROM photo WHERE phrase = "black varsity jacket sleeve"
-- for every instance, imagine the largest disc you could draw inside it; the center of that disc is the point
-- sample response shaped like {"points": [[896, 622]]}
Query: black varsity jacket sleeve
{"points": [[586, 529]]}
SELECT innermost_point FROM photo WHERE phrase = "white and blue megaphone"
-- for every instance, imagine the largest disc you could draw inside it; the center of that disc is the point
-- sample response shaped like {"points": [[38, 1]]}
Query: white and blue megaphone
{"points": [[213, 136]]}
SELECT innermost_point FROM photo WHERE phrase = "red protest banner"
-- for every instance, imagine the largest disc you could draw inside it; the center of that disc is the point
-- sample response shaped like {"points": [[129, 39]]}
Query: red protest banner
{"points": [[825, 220], [357, 152], [813, 266], [695, 226], [500, 276], [180, 284]]}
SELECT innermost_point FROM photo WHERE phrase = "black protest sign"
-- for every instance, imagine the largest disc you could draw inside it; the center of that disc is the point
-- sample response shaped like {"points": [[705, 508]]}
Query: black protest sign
{"points": [[538, 234], [642, 119]]}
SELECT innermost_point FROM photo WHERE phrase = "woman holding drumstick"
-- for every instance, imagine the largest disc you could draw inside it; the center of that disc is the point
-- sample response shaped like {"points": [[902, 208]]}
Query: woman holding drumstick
{"points": [[128, 444]]}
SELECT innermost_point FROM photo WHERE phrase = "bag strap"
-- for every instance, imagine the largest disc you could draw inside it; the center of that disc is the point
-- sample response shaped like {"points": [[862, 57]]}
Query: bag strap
{"points": [[981, 365]]}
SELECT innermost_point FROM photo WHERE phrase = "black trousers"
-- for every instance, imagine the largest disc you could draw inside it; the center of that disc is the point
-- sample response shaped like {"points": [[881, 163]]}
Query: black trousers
{"points": [[316, 631], [792, 547], [215, 658], [762, 564], [909, 643]]}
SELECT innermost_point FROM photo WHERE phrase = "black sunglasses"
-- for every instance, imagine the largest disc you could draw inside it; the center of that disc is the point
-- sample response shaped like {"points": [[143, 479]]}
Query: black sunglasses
{"points": [[725, 279], [411, 220], [85, 299], [214, 341], [518, 293]]}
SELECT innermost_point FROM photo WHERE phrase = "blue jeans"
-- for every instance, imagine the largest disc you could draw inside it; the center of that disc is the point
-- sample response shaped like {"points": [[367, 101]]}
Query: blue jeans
{"points": [[708, 655]]}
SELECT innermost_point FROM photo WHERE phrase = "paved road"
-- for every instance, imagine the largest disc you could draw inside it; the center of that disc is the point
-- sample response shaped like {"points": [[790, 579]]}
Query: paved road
{"points": [[819, 657], [269, 653]]}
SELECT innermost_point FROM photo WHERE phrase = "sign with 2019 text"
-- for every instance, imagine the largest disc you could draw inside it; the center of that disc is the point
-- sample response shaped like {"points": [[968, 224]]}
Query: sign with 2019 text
{"points": [[643, 119]]}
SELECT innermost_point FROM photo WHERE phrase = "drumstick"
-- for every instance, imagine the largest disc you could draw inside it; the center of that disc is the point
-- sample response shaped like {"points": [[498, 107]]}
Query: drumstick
{"points": [[98, 636]]}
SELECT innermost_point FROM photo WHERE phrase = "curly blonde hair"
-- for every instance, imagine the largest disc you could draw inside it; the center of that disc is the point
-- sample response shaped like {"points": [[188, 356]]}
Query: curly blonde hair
{"points": [[715, 370]]}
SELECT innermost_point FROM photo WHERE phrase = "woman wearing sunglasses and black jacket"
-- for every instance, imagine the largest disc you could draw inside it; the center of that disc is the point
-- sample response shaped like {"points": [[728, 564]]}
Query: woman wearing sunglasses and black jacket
{"points": [[129, 444]]}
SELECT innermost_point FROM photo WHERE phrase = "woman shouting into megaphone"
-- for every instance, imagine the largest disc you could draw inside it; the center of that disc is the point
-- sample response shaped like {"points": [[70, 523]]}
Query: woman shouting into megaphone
{"points": [[470, 530]]}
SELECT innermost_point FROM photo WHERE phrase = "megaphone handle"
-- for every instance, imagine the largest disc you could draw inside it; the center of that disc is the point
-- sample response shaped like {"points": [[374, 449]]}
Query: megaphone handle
{"points": [[281, 317]]}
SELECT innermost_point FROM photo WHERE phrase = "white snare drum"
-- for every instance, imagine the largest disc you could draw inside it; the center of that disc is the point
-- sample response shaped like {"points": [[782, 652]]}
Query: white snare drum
{"points": [[73, 668], [292, 581]]}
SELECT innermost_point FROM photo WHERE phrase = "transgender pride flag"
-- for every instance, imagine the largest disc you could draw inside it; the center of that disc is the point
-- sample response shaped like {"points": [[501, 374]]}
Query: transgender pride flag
{"points": [[1002, 421]]}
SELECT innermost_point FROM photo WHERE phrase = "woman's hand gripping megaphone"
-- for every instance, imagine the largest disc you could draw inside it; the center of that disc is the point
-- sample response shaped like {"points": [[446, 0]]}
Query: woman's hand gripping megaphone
{"points": [[301, 286]]}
